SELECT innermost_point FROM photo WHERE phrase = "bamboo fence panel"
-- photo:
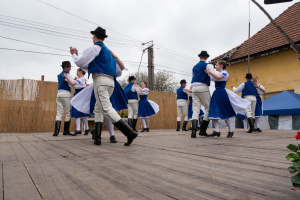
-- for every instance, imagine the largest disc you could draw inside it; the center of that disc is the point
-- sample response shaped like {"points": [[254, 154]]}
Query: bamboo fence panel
{"points": [[30, 106]]}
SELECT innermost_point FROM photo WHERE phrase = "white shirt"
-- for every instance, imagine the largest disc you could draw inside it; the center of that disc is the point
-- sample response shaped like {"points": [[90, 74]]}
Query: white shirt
{"points": [[211, 68], [224, 73], [88, 56], [259, 91], [239, 89], [80, 83], [142, 93]]}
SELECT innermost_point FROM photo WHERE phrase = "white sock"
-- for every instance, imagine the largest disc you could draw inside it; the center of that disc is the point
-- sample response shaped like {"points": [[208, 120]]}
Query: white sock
{"points": [[256, 122], [110, 127], [228, 124], [216, 124], [77, 124], [86, 124], [144, 122], [147, 122]]}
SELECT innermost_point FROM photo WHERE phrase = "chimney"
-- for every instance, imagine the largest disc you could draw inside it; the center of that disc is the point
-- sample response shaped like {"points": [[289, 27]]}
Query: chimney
{"points": [[43, 77]]}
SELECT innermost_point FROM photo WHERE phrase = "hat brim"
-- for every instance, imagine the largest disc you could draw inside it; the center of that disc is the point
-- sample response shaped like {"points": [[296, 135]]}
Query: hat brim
{"points": [[204, 55], [93, 33], [66, 65]]}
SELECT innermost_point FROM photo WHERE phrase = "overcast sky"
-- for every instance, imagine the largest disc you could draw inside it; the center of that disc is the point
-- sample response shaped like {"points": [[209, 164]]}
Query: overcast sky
{"points": [[180, 29]]}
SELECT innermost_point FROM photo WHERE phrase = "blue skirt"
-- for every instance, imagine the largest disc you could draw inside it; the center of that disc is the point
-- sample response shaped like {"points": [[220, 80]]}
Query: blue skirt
{"points": [[74, 112], [190, 113], [258, 108], [118, 99], [220, 106], [145, 109]]}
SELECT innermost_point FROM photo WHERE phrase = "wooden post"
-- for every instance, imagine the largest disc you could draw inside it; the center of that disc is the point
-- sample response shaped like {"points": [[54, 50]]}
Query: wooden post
{"points": [[150, 68], [43, 77]]}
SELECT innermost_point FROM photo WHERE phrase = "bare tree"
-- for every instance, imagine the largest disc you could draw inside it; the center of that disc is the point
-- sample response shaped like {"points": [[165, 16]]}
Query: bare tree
{"points": [[163, 80]]}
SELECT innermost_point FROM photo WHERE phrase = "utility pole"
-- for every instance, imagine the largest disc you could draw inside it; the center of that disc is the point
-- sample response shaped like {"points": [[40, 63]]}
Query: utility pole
{"points": [[150, 65], [150, 68]]}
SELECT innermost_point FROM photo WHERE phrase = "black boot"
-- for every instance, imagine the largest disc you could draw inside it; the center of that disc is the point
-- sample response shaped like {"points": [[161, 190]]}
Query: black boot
{"points": [[147, 129], [194, 127], [144, 129], [184, 126], [86, 132], [134, 124], [93, 134], [97, 133], [203, 128], [230, 135], [215, 133], [127, 131], [130, 122], [67, 128], [57, 127], [178, 126], [113, 139], [251, 124], [76, 133], [258, 130]]}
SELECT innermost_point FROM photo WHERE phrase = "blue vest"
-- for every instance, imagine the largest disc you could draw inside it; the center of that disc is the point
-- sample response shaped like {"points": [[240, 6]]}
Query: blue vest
{"points": [[104, 62], [129, 93], [199, 75], [181, 94], [62, 83], [220, 84], [249, 89]]}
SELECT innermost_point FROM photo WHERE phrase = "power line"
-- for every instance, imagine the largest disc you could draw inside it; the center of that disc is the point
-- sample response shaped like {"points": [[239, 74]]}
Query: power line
{"points": [[54, 54], [84, 19]]}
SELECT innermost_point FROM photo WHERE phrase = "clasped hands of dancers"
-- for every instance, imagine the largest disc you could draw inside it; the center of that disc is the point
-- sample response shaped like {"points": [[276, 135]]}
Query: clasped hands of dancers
{"points": [[223, 104], [104, 97]]}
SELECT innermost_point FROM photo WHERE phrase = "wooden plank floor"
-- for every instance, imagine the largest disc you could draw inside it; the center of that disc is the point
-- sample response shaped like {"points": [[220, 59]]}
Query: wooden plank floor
{"points": [[161, 164]]}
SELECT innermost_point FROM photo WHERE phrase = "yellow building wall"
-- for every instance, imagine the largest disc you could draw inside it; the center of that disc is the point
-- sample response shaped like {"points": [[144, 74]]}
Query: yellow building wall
{"points": [[277, 72]]}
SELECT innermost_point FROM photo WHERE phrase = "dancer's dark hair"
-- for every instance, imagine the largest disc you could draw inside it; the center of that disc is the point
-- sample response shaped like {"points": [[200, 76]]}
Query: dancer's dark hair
{"points": [[223, 63]]}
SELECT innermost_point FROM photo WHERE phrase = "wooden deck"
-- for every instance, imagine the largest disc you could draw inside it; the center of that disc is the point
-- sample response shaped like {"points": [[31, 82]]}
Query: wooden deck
{"points": [[159, 165]]}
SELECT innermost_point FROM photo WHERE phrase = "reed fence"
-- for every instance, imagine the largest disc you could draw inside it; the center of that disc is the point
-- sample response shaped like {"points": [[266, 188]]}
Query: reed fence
{"points": [[30, 106]]}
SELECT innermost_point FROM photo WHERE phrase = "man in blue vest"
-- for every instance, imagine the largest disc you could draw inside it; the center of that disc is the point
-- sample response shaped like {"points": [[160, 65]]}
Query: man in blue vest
{"points": [[201, 94], [133, 103], [63, 99], [102, 64], [182, 106], [249, 92]]}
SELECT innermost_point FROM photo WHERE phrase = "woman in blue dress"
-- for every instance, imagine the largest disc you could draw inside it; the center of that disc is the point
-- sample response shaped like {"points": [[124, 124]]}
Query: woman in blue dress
{"points": [[78, 84], [224, 103], [147, 108]]}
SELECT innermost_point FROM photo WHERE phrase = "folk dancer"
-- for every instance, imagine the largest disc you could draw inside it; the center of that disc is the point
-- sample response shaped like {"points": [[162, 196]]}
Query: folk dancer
{"points": [[101, 63], [78, 84], [147, 108], [85, 102], [224, 103], [133, 102], [248, 90], [182, 106], [201, 94], [63, 99], [259, 106]]}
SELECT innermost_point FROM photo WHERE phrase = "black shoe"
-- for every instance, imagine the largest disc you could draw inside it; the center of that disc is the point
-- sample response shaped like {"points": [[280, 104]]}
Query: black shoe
{"points": [[194, 127], [215, 134], [230, 135], [86, 132], [127, 131], [184, 126], [258, 130], [178, 126], [76, 133], [57, 127], [147, 129], [134, 122], [67, 128], [130, 122], [203, 128], [251, 124], [93, 134], [144, 129], [97, 133], [113, 139]]}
